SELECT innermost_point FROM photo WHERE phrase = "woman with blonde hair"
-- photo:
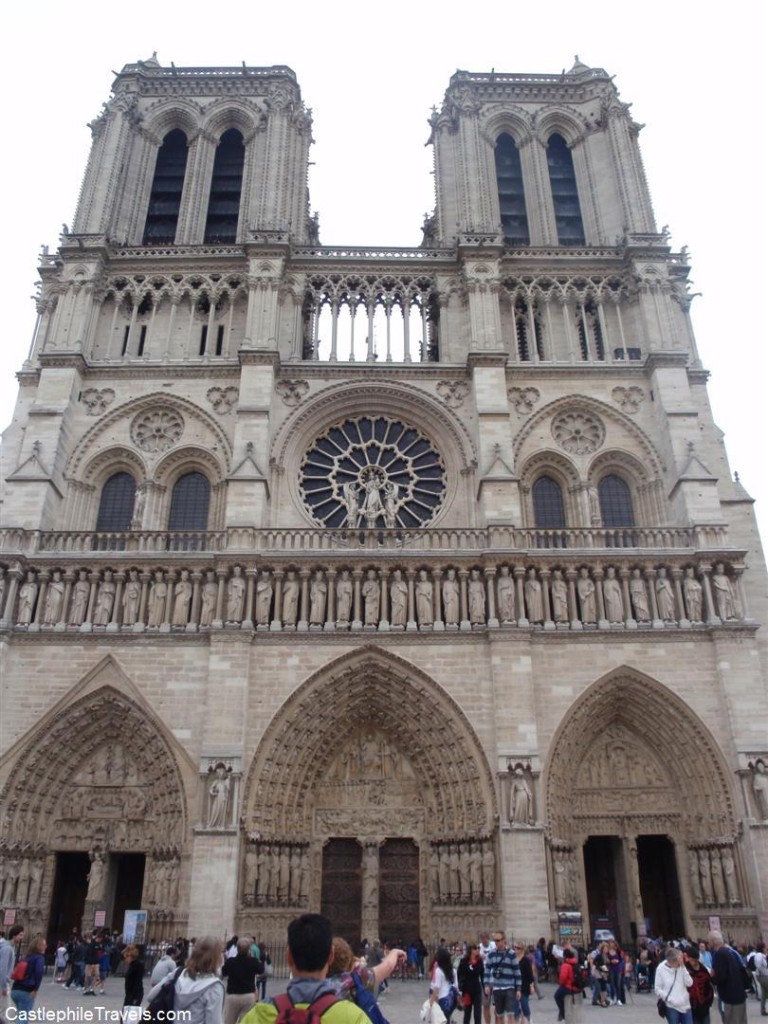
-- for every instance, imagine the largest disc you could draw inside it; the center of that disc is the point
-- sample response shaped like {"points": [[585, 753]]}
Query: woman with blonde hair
{"points": [[199, 988]]}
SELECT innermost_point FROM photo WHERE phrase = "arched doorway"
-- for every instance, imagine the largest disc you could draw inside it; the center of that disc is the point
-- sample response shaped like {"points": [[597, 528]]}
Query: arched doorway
{"points": [[94, 814], [371, 799], [642, 830]]}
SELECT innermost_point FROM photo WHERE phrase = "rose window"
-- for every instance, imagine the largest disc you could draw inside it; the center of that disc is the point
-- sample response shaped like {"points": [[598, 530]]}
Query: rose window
{"points": [[158, 430], [372, 472], [577, 432]]}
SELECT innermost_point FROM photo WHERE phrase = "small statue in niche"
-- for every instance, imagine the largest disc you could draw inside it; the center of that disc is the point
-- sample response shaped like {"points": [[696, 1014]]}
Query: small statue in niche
{"points": [[760, 788], [520, 798], [218, 796]]}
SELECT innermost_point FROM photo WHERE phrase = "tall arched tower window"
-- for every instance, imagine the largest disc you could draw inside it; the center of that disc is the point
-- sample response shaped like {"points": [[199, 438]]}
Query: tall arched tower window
{"points": [[509, 180], [548, 510], [615, 501], [565, 196], [116, 506], [226, 185], [165, 197], [190, 501]]}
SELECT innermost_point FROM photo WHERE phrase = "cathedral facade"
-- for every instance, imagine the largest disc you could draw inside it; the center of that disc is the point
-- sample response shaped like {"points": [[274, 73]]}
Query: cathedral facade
{"points": [[409, 585]]}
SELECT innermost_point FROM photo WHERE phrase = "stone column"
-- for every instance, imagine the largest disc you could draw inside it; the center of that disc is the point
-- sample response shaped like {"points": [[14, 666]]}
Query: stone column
{"points": [[597, 576], [357, 599], [218, 620], [437, 583], [490, 586], [303, 624], [712, 618], [384, 605], [250, 576], [114, 623], [411, 624], [14, 575], [519, 574], [463, 577], [194, 614], [277, 623], [650, 581], [570, 575], [677, 576], [170, 579], [330, 608], [145, 577], [545, 574], [42, 578], [629, 622], [632, 872], [69, 579], [87, 626]]}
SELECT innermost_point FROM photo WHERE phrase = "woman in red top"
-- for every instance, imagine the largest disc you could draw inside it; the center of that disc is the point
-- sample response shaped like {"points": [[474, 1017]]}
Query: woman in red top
{"points": [[566, 981]]}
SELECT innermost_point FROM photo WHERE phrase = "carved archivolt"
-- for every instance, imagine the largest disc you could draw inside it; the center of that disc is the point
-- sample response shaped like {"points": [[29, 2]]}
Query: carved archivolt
{"points": [[628, 746], [341, 742], [116, 428], [95, 774], [619, 431]]}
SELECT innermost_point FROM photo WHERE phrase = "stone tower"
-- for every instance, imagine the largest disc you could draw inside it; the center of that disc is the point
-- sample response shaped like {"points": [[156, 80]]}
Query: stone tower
{"points": [[406, 584]]}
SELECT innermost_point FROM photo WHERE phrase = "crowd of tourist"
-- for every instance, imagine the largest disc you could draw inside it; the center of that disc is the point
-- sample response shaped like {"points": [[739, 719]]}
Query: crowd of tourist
{"points": [[221, 985]]}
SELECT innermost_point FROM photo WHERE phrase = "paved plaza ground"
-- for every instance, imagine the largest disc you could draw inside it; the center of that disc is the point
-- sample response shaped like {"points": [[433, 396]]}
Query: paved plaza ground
{"points": [[400, 1005]]}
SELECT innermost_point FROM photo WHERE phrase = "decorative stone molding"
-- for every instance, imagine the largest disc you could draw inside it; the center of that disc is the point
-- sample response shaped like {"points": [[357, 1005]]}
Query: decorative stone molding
{"points": [[292, 392], [523, 399], [223, 400], [157, 430], [628, 398], [453, 392], [577, 432], [96, 400]]}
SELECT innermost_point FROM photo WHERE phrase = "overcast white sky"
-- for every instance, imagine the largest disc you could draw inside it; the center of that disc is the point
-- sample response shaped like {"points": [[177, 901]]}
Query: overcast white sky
{"points": [[695, 74]]}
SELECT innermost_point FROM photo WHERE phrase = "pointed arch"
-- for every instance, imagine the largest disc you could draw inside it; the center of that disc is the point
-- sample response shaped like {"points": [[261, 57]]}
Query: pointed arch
{"points": [[98, 767], [630, 704], [370, 688]]}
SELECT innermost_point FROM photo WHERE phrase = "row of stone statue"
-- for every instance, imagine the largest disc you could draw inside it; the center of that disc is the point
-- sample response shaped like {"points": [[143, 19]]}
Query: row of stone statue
{"points": [[713, 876], [463, 872], [21, 879], [368, 599], [161, 886], [276, 874]]}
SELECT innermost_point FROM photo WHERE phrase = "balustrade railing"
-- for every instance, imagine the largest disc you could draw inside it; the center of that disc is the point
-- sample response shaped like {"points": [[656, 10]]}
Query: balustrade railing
{"points": [[277, 540]]}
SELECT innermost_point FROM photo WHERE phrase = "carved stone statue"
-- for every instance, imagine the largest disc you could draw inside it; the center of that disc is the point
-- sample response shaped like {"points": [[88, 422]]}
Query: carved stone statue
{"points": [[760, 788], [693, 871], [465, 889], [158, 593], [352, 501], [593, 503], [54, 600], [505, 595], [533, 601], [692, 594], [391, 491], [290, 598], [665, 597], [560, 871], [521, 799], [27, 600], [729, 874], [96, 876], [218, 798], [371, 876], [131, 596], [210, 592], [398, 599], [614, 605], [181, 600], [344, 598], [451, 598], [371, 592], [723, 592], [443, 873], [424, 612], [586, 592], [639, 596], [235, 595], [476, 598], [718, 883], [105, 601], [263, 598], [705, 873], [318, 592], [559, 597], [476, 872], [372, 504], [489, 872]]}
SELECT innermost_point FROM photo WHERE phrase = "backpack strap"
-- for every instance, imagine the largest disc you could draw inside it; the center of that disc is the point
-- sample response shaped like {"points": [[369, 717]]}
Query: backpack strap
{"points": [[323, 1003]]}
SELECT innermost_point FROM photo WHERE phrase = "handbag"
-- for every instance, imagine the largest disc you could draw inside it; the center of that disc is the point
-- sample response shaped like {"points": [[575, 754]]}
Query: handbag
{"points": [[131, 1014], [19, 972], [466, 999], [661, 1004]]}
